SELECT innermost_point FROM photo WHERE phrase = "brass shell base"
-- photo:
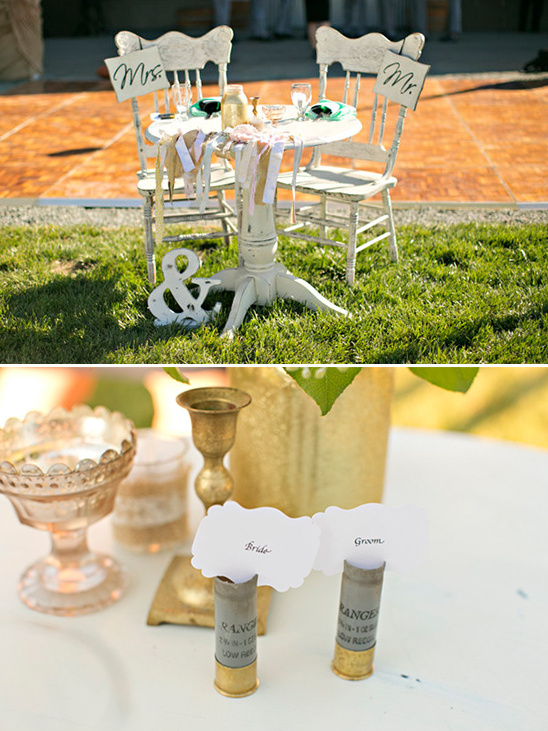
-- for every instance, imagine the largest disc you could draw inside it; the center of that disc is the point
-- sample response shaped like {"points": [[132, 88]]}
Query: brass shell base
{"points": [[185, 596], [352, 665], [236, 682]]}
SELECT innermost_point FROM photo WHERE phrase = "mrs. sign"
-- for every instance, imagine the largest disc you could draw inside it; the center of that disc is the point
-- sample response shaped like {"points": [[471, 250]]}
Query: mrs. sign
{"points": [[137, 73]]}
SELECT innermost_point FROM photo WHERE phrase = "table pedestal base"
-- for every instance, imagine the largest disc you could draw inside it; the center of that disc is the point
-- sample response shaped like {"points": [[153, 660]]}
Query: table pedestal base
{"points": [[262, 288]]}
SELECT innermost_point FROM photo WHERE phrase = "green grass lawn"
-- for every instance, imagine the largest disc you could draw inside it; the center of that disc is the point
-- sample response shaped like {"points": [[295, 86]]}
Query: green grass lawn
{"points": [[461, 294]]}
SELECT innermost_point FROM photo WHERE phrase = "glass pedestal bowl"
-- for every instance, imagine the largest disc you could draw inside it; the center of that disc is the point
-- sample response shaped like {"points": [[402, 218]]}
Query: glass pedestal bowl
{"points": [[61, 472], [274, 112]]}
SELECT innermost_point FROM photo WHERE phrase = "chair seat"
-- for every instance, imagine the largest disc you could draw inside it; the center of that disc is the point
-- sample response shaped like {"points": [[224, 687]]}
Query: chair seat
{"points": [[337, 182], [220, 179]]}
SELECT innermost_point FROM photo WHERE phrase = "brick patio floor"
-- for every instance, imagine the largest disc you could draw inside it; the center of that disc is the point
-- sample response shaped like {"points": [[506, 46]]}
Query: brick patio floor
{"points": [[473, 140]]}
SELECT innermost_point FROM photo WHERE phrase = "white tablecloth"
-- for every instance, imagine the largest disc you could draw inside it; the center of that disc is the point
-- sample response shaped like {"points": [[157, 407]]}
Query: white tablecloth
{"points": [[462, 640]]}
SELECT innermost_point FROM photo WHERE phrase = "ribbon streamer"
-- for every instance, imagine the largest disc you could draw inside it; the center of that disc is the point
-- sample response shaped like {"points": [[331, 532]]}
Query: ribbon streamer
{"points": [[299, 146], [258, 158], [206, 165], [274, 164], [159, 193]]}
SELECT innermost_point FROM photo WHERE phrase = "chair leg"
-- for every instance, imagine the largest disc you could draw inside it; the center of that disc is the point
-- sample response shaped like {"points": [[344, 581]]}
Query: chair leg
{"points": [[322, 230], [392, 243], [238, 201], [351, 248], [222, 207], [149, 239]]}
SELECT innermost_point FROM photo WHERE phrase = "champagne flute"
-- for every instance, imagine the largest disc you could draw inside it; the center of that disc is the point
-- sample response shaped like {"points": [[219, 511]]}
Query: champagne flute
{"points": [[182, 97], [301, 96]]}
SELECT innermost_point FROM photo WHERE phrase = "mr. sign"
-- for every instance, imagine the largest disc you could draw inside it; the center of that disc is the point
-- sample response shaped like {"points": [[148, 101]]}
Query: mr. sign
{"points": [[137, 73], [400, 79]]}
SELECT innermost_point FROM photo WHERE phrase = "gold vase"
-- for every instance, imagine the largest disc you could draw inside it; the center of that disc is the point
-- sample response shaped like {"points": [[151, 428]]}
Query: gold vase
{"points": [[292, 458]]}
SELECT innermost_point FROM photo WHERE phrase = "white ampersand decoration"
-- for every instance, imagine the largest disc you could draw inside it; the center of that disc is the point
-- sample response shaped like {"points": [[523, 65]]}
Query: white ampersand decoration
{"points": [[192, 313]]}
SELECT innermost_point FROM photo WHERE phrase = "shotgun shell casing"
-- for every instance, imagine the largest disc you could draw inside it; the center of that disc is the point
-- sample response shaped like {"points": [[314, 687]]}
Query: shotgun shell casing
{"points": [[236, 637], [357, 623]]}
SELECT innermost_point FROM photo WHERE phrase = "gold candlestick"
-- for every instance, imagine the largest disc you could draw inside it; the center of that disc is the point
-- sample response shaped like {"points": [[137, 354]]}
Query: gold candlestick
{"points": [[213, 414], [185, 596]]}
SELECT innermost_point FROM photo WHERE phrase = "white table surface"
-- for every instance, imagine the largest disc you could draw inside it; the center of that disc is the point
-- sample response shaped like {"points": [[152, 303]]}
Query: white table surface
{"points": [[313, 131], [462, 640]]}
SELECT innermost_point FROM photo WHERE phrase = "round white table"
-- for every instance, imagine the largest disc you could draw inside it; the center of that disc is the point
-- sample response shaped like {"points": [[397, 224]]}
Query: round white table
{"points": [[260, 278], [461, 644]]}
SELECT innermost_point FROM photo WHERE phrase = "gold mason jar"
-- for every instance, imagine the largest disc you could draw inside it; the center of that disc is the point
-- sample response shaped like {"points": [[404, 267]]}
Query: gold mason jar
{"points": [[234, 106], [287, 455]]}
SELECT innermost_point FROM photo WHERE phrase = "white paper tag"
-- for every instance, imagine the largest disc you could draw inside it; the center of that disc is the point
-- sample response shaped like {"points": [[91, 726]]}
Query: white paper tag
{"points": [[238, 543], [137, 73], [370, 534], [400, 79]]}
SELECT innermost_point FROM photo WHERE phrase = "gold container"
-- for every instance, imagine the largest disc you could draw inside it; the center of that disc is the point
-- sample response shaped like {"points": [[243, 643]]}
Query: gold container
{"points": [[292, 458], [359, 607], [236, 637], [234, 106], [236, 682], [350, 665]]}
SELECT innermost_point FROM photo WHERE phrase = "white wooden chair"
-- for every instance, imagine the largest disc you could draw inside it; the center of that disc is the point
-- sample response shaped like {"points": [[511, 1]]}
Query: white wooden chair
{"points": [[348, 187], [186, 56]]}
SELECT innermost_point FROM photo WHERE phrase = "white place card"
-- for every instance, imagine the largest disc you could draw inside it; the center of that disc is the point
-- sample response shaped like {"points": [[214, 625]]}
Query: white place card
{"points": [[137, 73], [401, 79], [369, 535], [238, 543]]}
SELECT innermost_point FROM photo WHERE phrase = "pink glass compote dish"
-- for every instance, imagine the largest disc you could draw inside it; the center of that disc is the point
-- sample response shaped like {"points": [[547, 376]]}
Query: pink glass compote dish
{"points": [[61, 472]]}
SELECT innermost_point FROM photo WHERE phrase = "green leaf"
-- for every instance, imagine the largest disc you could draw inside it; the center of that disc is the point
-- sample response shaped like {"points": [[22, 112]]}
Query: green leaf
{"points": [[175, 373], [452, 378], [324, 385]]}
